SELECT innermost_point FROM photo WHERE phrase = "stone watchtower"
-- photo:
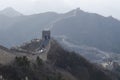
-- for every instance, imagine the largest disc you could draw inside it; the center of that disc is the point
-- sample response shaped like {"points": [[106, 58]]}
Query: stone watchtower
{"points": [[46, 35]]}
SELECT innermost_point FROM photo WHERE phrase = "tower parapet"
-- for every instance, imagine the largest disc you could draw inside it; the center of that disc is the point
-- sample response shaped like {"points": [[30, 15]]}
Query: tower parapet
{"points": [[46, 35]]}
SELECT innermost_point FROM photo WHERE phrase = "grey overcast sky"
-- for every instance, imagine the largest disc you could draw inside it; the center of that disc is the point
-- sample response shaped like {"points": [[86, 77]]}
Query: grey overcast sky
{"points": [[103, 7]]}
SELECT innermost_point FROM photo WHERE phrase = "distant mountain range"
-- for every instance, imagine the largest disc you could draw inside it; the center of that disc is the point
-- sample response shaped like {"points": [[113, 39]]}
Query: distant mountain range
{"points": [[90, 29], [81, 28]]}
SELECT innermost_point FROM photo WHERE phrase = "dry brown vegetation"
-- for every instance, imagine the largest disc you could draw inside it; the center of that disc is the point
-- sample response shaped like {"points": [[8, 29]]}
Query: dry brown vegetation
{"points": [[59, 65]]}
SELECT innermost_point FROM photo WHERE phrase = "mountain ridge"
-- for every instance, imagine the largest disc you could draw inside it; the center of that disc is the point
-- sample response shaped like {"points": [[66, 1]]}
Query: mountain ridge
{"points": [[90, 28]]}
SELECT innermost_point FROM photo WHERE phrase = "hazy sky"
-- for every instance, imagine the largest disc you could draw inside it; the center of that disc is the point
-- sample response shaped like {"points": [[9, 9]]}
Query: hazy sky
{"points": [[104, 7]]}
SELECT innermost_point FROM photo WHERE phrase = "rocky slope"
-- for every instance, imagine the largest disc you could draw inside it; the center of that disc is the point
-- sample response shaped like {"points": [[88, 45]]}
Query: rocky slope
{"points": [[59, 65], [5, 55], [76, 65]]}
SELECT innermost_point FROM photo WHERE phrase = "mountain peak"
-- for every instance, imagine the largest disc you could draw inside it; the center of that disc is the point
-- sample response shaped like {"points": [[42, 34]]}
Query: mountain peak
{"points": [[10, 12], [78, 9], [74, 12], [8, 8]]}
